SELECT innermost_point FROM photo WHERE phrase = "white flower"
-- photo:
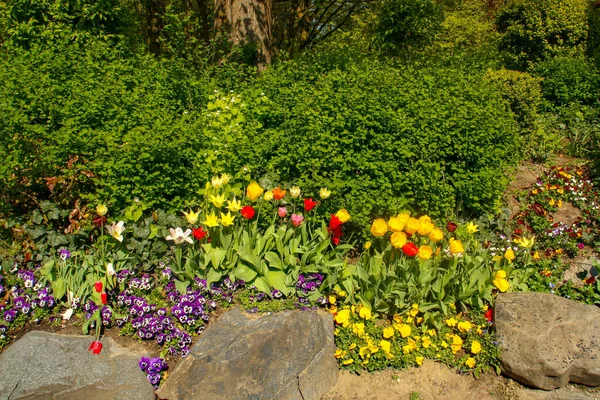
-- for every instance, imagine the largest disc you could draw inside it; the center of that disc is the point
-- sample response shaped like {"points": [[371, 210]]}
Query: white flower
{"points": [[67, 314], [110, 270], [179, 236], [116, 230]]}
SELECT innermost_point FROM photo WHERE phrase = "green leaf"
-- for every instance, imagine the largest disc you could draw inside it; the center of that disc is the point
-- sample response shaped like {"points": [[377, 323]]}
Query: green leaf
{"points": [[213, 276], [277, 280], [262, 285], [181, 286], [244, 273], [153, 231], [59, 288], [273, 260]]}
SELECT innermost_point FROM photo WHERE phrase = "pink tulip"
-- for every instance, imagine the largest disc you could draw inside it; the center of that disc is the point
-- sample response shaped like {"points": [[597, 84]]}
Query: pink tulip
{"points": [[297, 219], [282, 211]]}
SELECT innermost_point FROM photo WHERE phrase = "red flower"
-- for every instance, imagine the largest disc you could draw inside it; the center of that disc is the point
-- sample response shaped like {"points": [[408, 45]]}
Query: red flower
{"points": [[95, 347], [99, 221], [199, 233], [104, 298], [278, 193], [410, 249], [247, 212], [591, 280], [489, 315], [98, 286], [451, 226], [335, 240], [334, 222], [309, 204], [518, 232]]}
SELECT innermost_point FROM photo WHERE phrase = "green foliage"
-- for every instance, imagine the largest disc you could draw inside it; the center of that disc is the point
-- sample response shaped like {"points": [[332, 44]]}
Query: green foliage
{"points": [[593, 45], [536, 30], [377, 135], [405, 24], [569, 79]]}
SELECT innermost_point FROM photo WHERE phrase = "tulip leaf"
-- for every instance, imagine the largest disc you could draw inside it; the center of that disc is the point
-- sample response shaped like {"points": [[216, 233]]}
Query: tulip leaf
{"points": [[277, 281], [59, 288], [262, 285], [181, 286], [273, 260], [244, 273]]}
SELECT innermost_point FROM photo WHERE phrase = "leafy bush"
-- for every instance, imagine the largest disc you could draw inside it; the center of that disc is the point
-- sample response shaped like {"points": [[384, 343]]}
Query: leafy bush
{"points": [[377, 135], [536, 30], [569, 79], [404, 24]]}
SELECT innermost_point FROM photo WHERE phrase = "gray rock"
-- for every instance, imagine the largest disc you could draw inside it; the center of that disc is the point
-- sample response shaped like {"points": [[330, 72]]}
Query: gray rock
{"points": [[546, 341], [44, 365], [284, 356]]}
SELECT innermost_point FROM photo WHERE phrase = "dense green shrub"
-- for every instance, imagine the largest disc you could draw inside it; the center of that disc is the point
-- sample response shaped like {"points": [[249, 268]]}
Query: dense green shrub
{"points": [[569, 79], [535, 30], [405, 24], [593, 45], [379, 136]]}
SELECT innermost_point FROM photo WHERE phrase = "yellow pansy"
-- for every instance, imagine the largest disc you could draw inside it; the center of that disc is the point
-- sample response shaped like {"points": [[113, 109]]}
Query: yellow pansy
{"points": [[379, 227], [464, 326], [332, 299], [254, 191], [191, 217], [217, 200], [475, 347], [426, 342], [227, 219], [451, 322], [414, 309], [388, 332], [432, 332], [419, 360], [386, 346], [358, 329], [211, 221], [456, 344], [343, 215], [559, 203], [234, 205], [348, 361], [444, 344], [536, 255], [436, 235], [398, 239], [365, 313], [339, 353], [470, 362], [404, 330], [343, 318]]}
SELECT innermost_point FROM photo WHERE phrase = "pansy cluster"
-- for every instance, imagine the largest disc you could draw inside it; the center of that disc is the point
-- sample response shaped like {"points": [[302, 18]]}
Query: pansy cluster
{"points": [[307, 286], [26, 298], [153, 367]]}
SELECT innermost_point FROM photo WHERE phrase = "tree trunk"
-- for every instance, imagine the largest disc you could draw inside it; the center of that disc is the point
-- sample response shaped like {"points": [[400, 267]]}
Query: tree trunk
{"points": [[250, 23]]}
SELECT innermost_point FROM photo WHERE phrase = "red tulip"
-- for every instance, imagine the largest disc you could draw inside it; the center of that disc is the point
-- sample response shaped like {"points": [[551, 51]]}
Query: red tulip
{"points": [[98, 286], [335, 240], [199, 233], [410, 249], [334, 222], [95, 347], [489, 314], [451, 226], [247, 212], [104, 298], [309, 204]]}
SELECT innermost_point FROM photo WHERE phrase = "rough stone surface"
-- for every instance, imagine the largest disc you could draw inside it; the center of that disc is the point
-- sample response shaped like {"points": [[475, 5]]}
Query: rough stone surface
{"points": [[546, 341], [284, 356], [44, 365]]}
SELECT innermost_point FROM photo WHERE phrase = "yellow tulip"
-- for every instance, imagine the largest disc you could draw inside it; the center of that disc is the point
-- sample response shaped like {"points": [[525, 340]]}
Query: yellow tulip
{"points": [[509, 254], [396, 224], [227, 219], [343, 215], [412, 225], [254, 191], [379, 227], [234, 205], [192, 217], [464, 326], [295, 192], [425, 252], [217, 200], [324, 193], [211, 221], [426, 228], [456, 247], [398, 239], [472, 228], [268, 195], [436, 235]]}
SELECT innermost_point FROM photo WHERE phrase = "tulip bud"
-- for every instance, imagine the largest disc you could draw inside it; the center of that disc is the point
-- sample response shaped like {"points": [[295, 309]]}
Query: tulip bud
{"points": [[98, 286], [95, 347], [104, 298]]}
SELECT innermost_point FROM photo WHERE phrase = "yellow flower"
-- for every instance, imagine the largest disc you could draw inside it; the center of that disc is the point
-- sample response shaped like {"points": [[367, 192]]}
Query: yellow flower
{"points": [[217, 200], [368, 245], [475, 347], [403, 218], [551, 202], [426, 227], [472, 228], [192, 217], [412, 225], [509, 254], [358, 329], [388, 332], [497, 258], [372, 348], [227, 220], [408, 348], [268, 195], [425, 252], [464, 326], [559, 251], [364, 352], [254, 191], [470, 362], [365, 313], [216, 182], [396, 224], [426, 342], [379, 227], [332, 299], [404, 330], [535, 191], [398, 239], [343, 318], [456, 344], [342, 294], [559, 203], [456, 247], [444, 344], [211, 221], [333, 310], [386, 346], [451, 322], [436, 235], [234, 205], [101, 210], [348, 361], [432, 332], [324, 193], [425, 218], [352, 346], [526, 242], [343, 215], [414, 310], [536, 255], [295, 192], [419, 360], [339, 353], [500, 281]]}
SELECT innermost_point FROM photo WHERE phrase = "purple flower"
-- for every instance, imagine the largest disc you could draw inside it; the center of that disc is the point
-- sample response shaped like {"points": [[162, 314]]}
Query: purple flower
{"points": [[154, 379], [580, 246], [64, 254], [10, 315], [144, 363]]}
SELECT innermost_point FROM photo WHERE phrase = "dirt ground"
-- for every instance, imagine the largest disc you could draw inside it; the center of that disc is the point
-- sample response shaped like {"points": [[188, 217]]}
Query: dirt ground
{"points": [[435, 381]]}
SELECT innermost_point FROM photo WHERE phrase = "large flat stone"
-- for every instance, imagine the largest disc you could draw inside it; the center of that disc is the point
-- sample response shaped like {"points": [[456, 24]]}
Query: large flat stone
{"points": [[44, 365], [286, 356], [547, 341]]}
